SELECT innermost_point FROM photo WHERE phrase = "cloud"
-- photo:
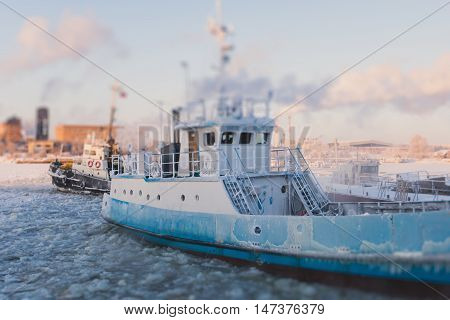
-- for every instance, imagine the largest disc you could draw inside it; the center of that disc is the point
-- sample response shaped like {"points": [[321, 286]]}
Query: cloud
{"points": [[417, 90], [36, 49]]}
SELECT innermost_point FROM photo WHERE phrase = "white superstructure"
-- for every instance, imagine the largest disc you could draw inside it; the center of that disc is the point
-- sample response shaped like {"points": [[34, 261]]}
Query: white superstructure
{"points": [[223, 164], [95, 159]]}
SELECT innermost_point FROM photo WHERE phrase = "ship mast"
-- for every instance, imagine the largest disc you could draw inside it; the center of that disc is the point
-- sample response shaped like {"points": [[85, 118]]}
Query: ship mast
{"points": [[220, 31]]}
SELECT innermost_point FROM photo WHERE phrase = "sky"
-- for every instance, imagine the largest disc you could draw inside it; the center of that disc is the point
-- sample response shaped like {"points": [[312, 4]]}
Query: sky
{"points": [[287, 47]]}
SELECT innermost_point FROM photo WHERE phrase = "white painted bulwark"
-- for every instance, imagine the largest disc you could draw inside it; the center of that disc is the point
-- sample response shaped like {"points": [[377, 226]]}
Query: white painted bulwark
{"points": [[200, 195]]}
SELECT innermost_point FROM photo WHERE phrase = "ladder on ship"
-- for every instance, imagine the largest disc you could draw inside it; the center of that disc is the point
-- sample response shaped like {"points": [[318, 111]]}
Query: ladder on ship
{"points": [[242, 191], [307, 187]]}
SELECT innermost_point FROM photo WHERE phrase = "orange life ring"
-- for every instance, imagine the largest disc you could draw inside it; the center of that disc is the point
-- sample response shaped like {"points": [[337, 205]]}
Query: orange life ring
{"points": [[98, 164], [90, 163]]}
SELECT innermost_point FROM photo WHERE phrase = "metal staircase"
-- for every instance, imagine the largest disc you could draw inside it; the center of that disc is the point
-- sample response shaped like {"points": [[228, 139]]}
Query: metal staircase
{"points": [[243, 194], [307, 187], [241, 190]]}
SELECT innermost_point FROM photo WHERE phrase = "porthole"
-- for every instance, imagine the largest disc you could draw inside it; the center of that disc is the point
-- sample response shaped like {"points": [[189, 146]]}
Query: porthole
{"points": [[283, 189], [131, 192], [197, 197], [257, 230], [158, 197], [148, 197], [140, 192], [183, 197]]}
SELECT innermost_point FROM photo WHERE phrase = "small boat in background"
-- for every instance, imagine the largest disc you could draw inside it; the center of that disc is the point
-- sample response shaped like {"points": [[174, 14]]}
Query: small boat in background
{"points": [[88, 174], [91, 172]]}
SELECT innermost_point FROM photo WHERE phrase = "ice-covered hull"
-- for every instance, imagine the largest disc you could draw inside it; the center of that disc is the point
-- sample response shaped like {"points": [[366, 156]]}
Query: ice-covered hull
{"points": [[410, 246]]}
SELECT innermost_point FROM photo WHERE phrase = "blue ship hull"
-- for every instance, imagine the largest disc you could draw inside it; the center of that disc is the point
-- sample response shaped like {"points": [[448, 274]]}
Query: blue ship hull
{"points": [[410, 246]]}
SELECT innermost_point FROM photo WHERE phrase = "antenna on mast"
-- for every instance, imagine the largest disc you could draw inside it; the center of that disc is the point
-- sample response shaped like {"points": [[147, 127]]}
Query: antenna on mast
{"points": [[220, 31]]}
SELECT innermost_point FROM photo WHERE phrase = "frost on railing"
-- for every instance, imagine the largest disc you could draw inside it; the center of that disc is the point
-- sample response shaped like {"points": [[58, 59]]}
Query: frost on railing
{"points": [[362, 208], [408, 186], [275, 160], [172, 165], [116, 165], [209, 162]]}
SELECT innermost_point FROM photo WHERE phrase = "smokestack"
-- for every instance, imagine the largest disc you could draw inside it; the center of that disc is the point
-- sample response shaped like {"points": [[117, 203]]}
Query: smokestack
{"points": [[42, 123], [175, 121]]}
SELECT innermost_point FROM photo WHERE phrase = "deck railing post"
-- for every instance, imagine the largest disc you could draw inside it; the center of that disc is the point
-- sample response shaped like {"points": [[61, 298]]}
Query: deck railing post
{"points": [[173, 165]]}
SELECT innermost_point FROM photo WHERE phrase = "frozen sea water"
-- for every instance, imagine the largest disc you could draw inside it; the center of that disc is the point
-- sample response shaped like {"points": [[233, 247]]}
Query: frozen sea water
{"points": [[56, 246]]}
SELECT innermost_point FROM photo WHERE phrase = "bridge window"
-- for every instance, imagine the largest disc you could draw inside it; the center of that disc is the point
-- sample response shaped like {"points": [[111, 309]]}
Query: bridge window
{"points": [[246, 138], [209, 138], [262, 138], [92, 153], [227, 137]]}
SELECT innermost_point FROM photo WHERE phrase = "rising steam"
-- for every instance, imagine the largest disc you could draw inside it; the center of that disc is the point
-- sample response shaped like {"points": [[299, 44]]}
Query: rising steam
{"points": [[416, 90]]}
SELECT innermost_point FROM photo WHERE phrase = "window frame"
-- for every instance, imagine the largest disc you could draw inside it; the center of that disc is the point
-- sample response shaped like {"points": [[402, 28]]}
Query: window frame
{"points": [[205, 139], [248, 134], [228, 135]]}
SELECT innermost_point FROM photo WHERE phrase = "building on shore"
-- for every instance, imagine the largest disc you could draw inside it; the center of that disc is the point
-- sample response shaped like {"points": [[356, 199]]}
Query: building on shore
{"points": [[11, 130], [41, 147], [11, 135], [75, 135], [42, 124]]}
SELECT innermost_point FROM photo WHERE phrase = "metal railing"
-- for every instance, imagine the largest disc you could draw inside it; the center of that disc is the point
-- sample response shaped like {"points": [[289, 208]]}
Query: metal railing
{"points": [[360, 208], [207, 163], [116, 165], [412, 184], [211, 163], [170, 165], [277, 160]]}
